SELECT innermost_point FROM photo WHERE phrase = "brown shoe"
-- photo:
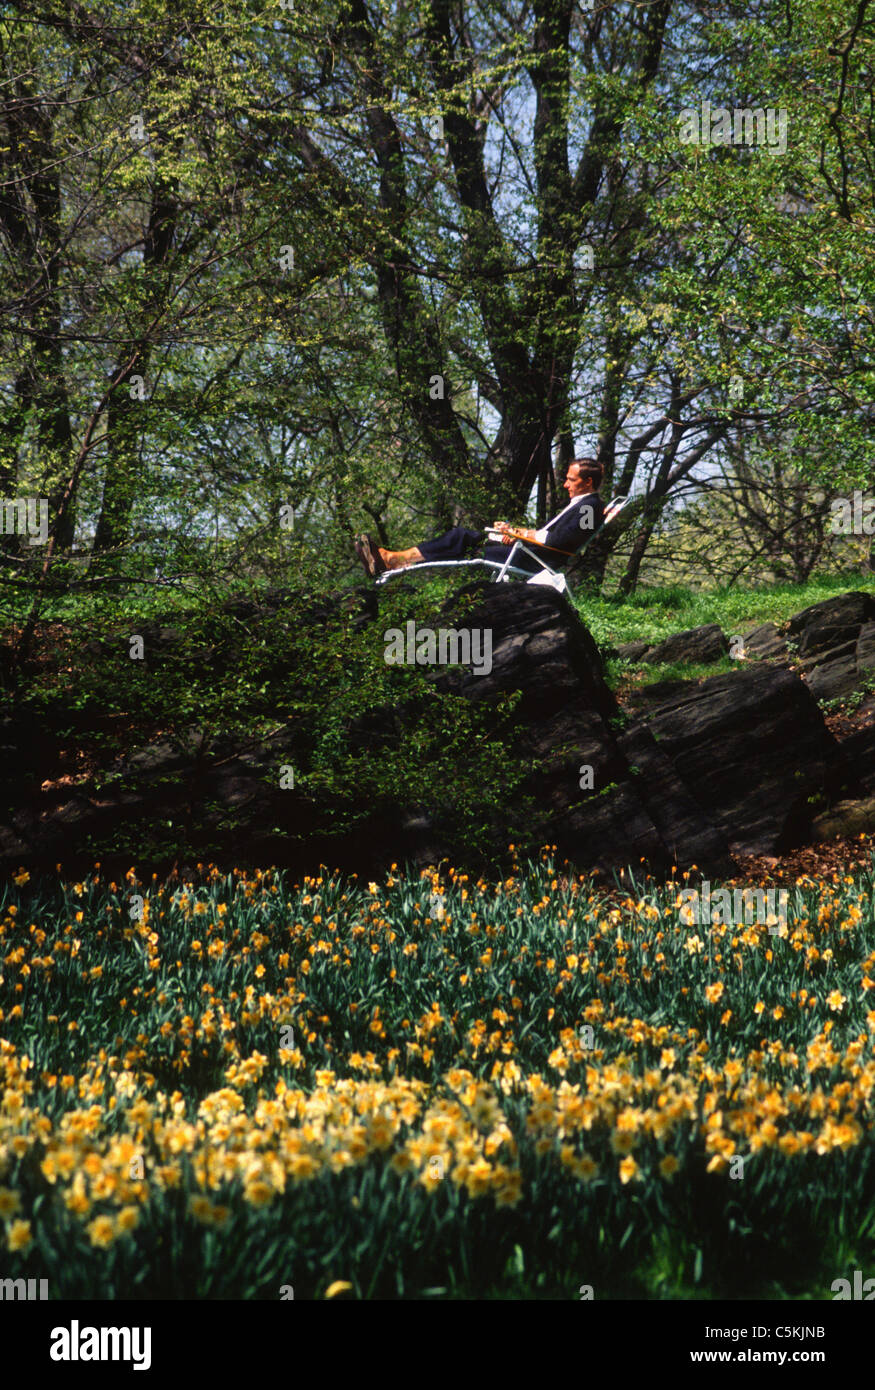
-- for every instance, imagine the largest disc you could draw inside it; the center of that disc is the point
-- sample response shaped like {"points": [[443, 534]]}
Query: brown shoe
{"points": [[368, 553], [363, 559], [380, 565]]}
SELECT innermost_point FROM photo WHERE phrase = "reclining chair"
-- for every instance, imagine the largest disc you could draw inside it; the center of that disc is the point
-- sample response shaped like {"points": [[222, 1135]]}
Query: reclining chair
{"points": [[506, 569]]}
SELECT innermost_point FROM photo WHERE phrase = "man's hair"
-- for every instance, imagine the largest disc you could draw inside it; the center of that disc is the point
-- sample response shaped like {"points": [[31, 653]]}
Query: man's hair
{"points": [[591, 471]]}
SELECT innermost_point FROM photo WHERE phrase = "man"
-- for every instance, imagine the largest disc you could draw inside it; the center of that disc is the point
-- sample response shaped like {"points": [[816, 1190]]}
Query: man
{"points": [[557, 541]]}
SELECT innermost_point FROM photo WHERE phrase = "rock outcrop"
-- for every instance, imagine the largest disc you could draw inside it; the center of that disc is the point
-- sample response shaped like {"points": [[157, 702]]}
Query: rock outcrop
{"points": [[690, 772], [695, 646], [753, 748]]}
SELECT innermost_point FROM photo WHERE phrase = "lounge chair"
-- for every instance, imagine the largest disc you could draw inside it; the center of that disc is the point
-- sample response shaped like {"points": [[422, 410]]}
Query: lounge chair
{"points": [[546, 574]]}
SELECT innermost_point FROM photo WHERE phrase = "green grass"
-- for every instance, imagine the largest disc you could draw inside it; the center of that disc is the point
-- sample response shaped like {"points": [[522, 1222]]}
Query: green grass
{"points": [[646, 673], [654, 614]]}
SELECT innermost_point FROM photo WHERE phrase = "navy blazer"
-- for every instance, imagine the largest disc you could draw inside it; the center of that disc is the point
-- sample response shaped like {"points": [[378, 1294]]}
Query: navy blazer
{"points": [[573, 528]]}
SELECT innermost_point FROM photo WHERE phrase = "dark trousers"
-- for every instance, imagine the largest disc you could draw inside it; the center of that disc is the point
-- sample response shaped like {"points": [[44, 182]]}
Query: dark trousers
{"points": [[461, 543]]}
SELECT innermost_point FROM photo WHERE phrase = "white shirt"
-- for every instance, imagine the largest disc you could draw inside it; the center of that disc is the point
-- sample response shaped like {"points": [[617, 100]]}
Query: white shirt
{"points": [[541, 534]]}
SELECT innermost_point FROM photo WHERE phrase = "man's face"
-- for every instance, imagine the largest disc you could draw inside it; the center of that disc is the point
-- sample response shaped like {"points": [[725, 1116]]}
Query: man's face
{"points": [[573, 481]]}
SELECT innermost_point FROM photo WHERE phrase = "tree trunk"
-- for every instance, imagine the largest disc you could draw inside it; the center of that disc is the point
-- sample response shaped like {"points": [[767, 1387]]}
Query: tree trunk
{"points": [[40, 388], [124, 429]]}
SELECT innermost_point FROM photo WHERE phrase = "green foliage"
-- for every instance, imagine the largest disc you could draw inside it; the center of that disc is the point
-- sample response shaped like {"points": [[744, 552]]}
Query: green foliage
{"points": [[369, 737], [852, 702]]}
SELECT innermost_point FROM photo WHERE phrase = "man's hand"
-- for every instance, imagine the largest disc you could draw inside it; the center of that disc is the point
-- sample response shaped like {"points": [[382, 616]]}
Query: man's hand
{"points": [[510, 534]]}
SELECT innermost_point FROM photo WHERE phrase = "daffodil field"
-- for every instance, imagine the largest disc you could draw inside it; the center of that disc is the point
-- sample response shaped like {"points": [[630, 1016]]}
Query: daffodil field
{"points": [[431, 1086]]}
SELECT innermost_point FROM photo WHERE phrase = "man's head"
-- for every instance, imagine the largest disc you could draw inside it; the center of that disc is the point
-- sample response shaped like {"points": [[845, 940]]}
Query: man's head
{"points": [[584, 475]]}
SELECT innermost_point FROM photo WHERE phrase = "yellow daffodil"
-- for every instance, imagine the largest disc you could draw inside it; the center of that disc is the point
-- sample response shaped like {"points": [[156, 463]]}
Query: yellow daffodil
{"points": [[101, 1231], [10, 1202], [18, 1236], [629, 1171], [339, 1286]]}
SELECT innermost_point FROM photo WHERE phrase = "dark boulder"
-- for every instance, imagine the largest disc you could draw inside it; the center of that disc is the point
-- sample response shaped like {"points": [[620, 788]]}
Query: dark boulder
{"points": [[638, 807], [854, 763], [836, 676], [830, 626], [846, 818], [832, 644], [839, 646], [753, 748], [697, 646], [766, 642], [866, 649], [632, 651]]}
